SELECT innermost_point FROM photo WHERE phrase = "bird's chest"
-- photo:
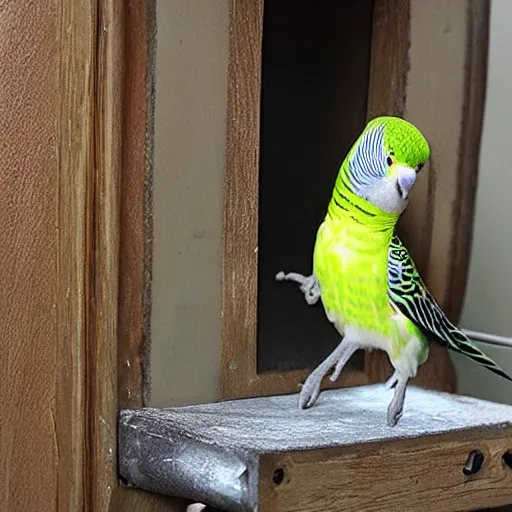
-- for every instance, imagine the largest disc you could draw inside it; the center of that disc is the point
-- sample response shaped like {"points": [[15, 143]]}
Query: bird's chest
{"points": [[351, 269]]}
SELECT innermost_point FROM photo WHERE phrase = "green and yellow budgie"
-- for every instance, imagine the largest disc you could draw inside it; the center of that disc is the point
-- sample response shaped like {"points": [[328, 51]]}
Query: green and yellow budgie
{"points": [[368, 283]]}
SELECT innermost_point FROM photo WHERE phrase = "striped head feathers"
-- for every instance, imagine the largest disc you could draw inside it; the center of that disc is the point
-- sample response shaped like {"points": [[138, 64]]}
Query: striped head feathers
{"points": [[383, 164]]}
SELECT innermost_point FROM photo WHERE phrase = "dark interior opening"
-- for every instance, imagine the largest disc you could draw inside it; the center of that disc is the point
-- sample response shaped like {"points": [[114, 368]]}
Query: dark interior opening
{"points": [[316, 64]]}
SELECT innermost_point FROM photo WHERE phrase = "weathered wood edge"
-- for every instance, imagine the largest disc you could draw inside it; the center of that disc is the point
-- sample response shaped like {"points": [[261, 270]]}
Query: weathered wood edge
{"points": [[240, 259], [76, 77], [136, 222], [103, 259]]}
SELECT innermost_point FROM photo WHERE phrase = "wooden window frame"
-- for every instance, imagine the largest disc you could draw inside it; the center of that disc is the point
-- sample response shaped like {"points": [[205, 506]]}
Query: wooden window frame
{"points": [[387, 95]]}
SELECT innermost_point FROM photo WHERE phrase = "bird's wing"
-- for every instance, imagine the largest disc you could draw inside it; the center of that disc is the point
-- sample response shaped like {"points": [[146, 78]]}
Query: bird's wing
{"points": [[411, 297]]}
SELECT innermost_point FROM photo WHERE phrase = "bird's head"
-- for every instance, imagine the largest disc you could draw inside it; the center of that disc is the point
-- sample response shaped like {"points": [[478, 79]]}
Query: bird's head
{"points": [[383, 164]]}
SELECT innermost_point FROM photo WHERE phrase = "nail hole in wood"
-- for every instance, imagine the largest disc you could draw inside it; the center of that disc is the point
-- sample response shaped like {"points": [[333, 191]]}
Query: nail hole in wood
{"points": [[474, 463], [507, 458], [278, 476]]}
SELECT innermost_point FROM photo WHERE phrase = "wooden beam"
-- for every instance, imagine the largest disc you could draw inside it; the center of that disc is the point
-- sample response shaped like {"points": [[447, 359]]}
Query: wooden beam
{"points": [[103, 259], [75, 139], [240, 259]]}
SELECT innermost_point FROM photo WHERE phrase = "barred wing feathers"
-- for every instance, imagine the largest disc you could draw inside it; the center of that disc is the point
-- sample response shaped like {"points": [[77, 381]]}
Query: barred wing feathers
{"points": [[410, 296]]}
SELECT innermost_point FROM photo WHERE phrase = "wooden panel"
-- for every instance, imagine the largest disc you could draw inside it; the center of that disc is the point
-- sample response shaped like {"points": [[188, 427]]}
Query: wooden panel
{"points": [[45, 94], [60, 116], [389, 60], [412, 475]]}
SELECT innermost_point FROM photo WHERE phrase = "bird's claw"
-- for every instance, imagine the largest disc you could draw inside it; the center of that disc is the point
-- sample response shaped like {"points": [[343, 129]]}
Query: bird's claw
{"points": [[394, 416], [338, 358], [310, 390], [396, 406], [308, 285]]}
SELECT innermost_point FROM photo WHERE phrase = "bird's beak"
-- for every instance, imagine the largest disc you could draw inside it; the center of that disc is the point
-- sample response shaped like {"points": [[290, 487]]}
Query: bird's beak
{"points": [[406, 179]]}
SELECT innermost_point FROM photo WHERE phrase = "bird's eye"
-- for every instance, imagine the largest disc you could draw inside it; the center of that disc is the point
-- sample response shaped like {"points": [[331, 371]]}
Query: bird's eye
{"points": [[389, 161], [420, 166]]}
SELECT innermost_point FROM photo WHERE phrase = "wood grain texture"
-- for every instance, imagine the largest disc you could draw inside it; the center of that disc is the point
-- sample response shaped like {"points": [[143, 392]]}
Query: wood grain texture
{"points": [[136, 217], [412, 475], [389, 58], [103, 253], [75, 140], [240, 262], [45, 79]]}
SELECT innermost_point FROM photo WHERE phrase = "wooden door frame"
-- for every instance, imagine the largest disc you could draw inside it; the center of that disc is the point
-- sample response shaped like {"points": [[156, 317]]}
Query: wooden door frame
{"points": [[102, 153], [119, 234]]}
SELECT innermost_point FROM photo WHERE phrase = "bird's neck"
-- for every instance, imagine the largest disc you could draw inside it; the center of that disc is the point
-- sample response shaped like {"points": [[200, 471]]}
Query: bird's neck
{"points": [[350, 210]]}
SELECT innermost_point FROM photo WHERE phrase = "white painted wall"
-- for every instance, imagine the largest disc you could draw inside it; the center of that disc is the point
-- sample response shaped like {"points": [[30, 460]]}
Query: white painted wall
{"points": [[190, 145], [488, 305]]}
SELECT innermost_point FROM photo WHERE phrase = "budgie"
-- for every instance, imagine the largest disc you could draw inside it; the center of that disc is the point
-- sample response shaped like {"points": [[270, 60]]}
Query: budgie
{"points": [[368, 283]]}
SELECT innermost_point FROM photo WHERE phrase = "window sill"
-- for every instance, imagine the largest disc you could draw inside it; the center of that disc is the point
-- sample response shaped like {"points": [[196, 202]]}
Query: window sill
{"points": [[265, 454]]}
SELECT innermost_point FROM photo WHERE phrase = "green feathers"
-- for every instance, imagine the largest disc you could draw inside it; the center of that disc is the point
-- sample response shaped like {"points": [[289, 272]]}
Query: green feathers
{"points": [[403, 141]]}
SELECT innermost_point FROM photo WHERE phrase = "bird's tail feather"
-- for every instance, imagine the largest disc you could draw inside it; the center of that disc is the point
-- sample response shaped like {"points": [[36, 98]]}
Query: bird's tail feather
{"points": [[459, 342]]}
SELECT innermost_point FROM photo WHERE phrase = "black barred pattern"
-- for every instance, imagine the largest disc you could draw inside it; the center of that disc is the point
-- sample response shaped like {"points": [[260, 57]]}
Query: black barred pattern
{"points": [[367, 163], [345, 198], [411, 297]]}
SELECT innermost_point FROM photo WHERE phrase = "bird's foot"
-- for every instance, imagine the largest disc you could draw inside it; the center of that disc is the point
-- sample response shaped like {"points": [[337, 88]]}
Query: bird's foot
{"points": [[396, 406], [311, 388], [338, 358], [308, 285]]}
